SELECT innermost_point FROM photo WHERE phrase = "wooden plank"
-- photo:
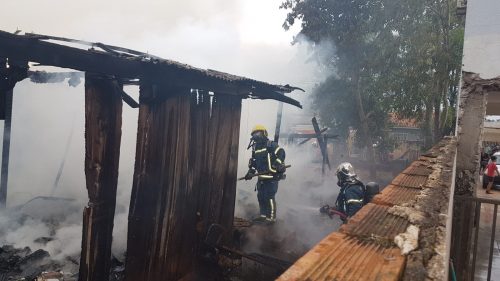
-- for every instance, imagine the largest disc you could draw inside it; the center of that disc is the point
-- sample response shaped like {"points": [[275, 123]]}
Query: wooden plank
{"points": [[233, 115], [103, 118], [16, 72], [223, 140], [7, 98], [278, 123], [4, 87], [162, 216], [184, 180]]}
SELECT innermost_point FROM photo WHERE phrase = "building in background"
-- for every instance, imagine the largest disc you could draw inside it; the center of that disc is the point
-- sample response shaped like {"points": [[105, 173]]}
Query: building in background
{"points": [[407, 136]]}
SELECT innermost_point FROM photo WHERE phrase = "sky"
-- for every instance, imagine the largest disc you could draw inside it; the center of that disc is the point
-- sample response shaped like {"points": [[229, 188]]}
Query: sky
{"points": [[242, 37], [482, 38], [193, 32]]}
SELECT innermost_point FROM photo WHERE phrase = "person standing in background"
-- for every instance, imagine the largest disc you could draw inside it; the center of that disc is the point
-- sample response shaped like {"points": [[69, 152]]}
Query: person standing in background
{"points": [[491, 169]]}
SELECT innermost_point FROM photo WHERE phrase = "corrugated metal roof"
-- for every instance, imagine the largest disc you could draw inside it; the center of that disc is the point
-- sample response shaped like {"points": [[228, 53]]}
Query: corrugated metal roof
{"points": [[130, 64]]}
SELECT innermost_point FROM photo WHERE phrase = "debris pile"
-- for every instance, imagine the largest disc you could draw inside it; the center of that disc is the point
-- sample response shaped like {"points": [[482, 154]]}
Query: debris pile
{"points": [[24, 264]]}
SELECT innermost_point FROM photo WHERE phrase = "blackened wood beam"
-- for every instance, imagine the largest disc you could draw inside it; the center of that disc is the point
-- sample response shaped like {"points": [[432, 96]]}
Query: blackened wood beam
{"points": [[169, 73], [7, 97], [278, 122], [103, 119], [9, 76], [162, 217], [322, 144]]}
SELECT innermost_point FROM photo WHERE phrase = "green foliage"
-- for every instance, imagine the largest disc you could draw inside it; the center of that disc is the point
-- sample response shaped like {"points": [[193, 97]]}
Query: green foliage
{"points": [[334, 103], [401, 56]]}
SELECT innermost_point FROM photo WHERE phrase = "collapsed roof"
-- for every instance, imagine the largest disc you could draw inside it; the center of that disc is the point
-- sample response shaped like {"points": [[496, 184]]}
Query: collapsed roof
{"points": [[130, 65]]}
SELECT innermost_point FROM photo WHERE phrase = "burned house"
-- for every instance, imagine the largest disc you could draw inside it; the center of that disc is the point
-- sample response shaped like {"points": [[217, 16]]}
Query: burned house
{"points": [[186, 154]]}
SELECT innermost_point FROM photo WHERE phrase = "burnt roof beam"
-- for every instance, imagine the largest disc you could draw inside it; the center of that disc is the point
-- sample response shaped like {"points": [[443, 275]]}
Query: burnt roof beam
{"points": [[29, 48]]}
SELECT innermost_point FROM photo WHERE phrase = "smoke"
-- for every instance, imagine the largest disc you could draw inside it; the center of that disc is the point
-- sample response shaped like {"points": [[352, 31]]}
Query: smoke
{"points": [[239, 37], [298, 200]]}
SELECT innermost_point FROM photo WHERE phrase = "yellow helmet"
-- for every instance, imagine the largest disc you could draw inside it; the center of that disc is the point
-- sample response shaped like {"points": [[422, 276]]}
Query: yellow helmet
{"points": [[259, 127]]}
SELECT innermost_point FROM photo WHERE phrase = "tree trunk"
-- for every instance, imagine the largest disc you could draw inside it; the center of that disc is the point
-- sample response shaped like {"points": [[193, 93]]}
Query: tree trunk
{"points": [[444, 114], [436, 134], [427, 124], [364, 125]]}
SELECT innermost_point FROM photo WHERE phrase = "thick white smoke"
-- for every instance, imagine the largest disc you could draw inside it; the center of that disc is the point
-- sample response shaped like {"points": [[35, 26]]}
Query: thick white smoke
{"points": [[239, 37]]}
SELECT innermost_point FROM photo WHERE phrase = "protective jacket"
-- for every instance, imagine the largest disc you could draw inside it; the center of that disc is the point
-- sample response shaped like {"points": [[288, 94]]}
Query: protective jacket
{"points": [[351, 197], [266, 157]]}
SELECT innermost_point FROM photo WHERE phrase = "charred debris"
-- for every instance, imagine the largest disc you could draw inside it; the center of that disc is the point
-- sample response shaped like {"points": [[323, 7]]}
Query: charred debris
{"points": [[180, 223]]}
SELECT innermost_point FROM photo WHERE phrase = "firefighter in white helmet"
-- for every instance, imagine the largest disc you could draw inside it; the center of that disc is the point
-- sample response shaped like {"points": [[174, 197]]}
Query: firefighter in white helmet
{"points": [[351, 196]]}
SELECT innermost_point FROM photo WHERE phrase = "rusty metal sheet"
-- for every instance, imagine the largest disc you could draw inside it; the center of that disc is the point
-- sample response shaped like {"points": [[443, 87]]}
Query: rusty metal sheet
{"points": [[410, 181], [395, 195], [374, 221], [338, 257]]}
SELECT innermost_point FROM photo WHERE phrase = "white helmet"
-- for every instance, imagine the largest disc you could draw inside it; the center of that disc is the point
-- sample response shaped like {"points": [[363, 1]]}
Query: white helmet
{"points": [[345, 171]]}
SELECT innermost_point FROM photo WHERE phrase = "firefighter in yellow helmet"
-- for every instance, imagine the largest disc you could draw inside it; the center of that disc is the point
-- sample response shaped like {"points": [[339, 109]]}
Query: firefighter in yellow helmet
{"points": [[267, 158]]}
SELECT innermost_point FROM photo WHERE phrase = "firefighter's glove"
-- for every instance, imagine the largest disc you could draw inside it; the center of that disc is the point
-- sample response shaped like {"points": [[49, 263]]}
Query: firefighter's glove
{"points": [[249, 175], [281, 168]]}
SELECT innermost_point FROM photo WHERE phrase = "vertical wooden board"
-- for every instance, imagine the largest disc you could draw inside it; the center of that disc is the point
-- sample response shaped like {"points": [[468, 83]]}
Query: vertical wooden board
{"points": [[136, 211], [198, 149], [229, 188], [103, 113], [186, 175], [181, 222], [7, 97], [162, 213], [222, 132], [4, 88]]}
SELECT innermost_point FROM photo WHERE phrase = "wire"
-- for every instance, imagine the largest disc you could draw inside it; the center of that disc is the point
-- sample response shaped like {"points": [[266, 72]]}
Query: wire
{"points": [[66, 149]]}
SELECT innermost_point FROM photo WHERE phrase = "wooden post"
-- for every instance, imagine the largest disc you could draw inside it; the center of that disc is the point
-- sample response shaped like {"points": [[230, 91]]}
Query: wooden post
{"points": [[184, 179], [278, 122], [103, 118], [322, 145], [8, 95], [16, 72], [162, 215], [218, 203]]}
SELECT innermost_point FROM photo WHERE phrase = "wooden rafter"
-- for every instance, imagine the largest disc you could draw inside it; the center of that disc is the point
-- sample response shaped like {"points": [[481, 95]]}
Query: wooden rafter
{"points": [[155, 70]]}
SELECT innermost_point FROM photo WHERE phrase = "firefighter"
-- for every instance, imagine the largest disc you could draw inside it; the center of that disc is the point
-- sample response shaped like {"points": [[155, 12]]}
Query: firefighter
{"points": [[351, 197], [267, 158]]}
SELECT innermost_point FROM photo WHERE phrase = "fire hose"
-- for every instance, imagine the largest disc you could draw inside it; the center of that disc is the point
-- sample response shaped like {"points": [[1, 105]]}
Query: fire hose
{"points": [[331, 212]]}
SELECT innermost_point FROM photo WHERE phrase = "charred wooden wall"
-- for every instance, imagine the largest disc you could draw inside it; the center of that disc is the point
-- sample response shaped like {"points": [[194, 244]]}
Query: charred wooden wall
{"points": [[103, 119], [184, 179]]}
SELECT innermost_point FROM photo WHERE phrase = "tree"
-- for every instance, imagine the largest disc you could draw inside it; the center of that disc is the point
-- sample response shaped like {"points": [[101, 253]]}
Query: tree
{"points": [[388, 56], [357, 31], [430, 62]]}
